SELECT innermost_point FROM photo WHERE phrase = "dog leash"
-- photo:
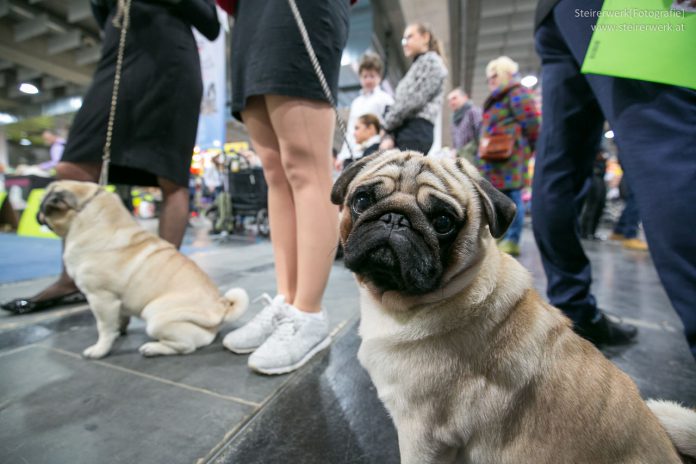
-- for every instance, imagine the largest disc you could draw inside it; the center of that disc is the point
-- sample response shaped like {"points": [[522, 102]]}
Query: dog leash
{"points": [[121, 20], [320, 74]]}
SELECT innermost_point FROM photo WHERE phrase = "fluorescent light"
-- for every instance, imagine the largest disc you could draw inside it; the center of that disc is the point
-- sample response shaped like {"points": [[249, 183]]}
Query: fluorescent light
{"points": [[346, 59], [25, 142], [6, 118], [529, 81], [609, 134], [28, 88], [75, 103]]}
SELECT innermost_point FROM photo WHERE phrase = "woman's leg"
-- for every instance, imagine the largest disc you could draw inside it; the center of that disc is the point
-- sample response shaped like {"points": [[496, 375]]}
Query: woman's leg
{"points": [[87, 172], [304, 130], [175, 211], [281, 205]]}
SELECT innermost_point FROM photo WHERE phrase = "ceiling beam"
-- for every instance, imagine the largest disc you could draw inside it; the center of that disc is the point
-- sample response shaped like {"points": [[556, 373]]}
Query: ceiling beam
{"points": [[78, 10], [29, 55]]}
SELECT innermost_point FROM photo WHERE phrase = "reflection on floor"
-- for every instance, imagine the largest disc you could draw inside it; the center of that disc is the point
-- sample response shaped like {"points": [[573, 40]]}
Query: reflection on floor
{"points": [[56, 407]]}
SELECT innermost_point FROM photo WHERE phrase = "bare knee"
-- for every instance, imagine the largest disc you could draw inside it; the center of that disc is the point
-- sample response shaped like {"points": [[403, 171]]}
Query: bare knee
{"points": [[273, 170], [300, 167], [86, 172]]}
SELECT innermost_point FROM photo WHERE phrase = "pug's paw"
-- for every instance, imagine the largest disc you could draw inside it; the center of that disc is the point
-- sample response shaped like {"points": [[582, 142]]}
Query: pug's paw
{"points": [[95, 352], [156, 349]]}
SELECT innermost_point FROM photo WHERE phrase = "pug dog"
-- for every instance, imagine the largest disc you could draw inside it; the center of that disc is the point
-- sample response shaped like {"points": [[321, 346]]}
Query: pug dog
{"points": [[125, 271], [472, 365]]}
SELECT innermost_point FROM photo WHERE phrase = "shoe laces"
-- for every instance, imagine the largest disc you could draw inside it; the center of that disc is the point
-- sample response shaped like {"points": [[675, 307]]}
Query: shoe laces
{"points": [[270, 309], [285, 326]]}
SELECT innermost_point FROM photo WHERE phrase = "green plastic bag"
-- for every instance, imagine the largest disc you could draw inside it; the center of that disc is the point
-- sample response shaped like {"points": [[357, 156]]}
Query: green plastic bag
{"points": [[647, 40]]}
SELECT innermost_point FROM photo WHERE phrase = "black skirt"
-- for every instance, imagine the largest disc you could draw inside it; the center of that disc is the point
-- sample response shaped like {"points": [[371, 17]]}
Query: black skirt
{"points": [[269, 57], [158, 103]]}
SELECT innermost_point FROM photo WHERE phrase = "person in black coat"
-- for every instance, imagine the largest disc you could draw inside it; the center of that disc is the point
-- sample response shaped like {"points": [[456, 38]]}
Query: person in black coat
{"points": [[156, 117]]}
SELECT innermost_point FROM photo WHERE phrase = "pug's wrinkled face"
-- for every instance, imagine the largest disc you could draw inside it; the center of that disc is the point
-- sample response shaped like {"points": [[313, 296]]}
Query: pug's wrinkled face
{"points": [[63, 200], [410, 223]]}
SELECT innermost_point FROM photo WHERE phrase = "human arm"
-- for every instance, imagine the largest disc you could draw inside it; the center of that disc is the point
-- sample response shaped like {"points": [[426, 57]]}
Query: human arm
{"points": [[201, 14], [421, 83]]}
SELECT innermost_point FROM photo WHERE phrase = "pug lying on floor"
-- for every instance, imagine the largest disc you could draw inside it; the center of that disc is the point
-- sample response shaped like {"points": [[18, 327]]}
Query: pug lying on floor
{"points": [[126, 271], [473, 366]]}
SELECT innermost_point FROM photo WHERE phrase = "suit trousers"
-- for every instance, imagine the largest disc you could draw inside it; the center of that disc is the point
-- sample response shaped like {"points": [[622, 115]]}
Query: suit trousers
{"points": [[654, 126]]}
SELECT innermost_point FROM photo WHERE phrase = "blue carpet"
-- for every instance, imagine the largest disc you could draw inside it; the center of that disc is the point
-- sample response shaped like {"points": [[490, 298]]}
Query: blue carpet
{"points": [[24, 258]]}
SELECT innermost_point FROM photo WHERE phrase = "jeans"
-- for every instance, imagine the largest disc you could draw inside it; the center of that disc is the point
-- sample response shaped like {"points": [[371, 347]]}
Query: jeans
{"points": [[654, 126], [515, 230]]}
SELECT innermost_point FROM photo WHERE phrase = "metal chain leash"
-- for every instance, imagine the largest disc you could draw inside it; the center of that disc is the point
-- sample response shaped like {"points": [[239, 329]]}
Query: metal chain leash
{"points": [[320, 75], [122, 20]]}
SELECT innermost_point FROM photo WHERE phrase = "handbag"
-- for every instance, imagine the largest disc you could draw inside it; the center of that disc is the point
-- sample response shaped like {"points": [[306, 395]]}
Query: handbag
{"points": [[496, 147]]}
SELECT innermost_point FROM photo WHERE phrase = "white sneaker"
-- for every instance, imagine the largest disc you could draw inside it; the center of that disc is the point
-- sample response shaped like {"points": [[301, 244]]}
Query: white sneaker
{"points": [[298, 336], [252, 335]]}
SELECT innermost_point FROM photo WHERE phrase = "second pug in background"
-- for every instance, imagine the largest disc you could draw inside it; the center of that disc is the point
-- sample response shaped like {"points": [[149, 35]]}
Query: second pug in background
{"points": [[124, 271], [472, 364]]}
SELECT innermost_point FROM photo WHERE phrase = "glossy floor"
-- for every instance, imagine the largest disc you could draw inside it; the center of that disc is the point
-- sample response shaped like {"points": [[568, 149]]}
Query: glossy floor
{"points": [[56, 407]]}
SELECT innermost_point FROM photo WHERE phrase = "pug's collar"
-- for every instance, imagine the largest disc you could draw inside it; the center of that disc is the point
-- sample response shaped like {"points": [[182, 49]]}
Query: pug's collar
{"points": [[89, 200]]}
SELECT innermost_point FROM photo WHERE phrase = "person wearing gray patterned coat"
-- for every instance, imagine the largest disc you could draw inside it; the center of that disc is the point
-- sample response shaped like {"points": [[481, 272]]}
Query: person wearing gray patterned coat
{"points": [[419, 94]]}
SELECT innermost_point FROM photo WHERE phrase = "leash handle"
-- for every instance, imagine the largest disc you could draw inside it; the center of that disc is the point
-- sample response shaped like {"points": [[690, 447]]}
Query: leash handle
{"points": [[320, 74], [122, 20]]}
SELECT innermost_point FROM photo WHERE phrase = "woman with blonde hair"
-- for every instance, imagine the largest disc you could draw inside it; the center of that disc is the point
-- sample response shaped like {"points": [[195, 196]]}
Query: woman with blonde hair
{"points": [[418, 100], [508, 137]]}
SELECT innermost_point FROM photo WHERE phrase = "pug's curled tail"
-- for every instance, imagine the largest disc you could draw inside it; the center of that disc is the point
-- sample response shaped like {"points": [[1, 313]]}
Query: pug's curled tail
{"points": [[237, 301], [680, 424]]}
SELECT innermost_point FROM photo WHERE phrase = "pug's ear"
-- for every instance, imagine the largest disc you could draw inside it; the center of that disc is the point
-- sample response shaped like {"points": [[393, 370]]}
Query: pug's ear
{"points": [[498, 208], [340, 187]]}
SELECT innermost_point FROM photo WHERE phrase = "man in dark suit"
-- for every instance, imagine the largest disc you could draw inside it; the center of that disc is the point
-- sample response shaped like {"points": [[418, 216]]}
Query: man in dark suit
{"points": [[654, 128]]}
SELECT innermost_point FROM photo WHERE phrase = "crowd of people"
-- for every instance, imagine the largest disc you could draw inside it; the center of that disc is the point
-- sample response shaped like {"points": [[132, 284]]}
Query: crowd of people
{"points": [[277, 95]]}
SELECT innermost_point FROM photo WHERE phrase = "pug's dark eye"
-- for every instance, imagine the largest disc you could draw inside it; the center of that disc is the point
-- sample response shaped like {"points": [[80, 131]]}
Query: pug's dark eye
{"points": [[361, 202], [443, 224]]}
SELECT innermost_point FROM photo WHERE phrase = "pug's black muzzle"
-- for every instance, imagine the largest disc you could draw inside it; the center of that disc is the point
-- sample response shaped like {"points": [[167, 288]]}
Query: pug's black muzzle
{"points": [[391, 254], [49, 204]]}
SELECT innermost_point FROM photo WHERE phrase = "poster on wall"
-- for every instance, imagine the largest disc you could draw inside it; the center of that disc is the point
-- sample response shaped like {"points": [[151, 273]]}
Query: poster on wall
{"points": [[211, 122]]}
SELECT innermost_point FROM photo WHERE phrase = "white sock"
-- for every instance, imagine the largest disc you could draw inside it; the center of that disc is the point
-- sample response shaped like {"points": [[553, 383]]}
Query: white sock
{"points": [[305, 314]]}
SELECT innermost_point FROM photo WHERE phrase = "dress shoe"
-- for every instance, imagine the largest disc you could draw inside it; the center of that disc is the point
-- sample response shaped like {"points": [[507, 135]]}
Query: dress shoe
{"points": [[26, 305], [604, 331]]}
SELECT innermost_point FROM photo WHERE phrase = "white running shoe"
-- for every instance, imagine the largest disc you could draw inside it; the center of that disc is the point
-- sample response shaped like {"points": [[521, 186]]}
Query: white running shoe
{"points": [[297, 337], [252, 335]]}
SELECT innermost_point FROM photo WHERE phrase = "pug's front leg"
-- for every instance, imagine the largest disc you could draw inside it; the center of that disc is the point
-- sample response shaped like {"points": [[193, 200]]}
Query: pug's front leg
{"points": [[106, 308], [417, 446]]}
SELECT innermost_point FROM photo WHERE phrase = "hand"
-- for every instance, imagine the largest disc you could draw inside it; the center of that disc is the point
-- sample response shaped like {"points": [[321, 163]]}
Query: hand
{"points": [[338, 164], [387, 143]]}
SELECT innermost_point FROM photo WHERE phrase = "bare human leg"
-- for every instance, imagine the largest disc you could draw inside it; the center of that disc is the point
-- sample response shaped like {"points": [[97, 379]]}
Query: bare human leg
{"points": [[281, 205], [304, 130], [175, 211]]}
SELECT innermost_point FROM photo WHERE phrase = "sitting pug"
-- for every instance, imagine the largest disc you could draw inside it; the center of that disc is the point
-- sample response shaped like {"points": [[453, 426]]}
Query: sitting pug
{"points": [[473, 366], [126, 271]]}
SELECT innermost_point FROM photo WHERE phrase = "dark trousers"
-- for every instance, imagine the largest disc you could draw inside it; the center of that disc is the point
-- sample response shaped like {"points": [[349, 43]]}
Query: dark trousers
{"points": [[654, 126], [627, 224], [414, 134], [594, 207]]}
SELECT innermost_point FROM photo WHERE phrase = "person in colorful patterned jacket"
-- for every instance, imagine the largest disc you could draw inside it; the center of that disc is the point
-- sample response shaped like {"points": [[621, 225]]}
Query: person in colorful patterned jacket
{"points": [[509, 109]]}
